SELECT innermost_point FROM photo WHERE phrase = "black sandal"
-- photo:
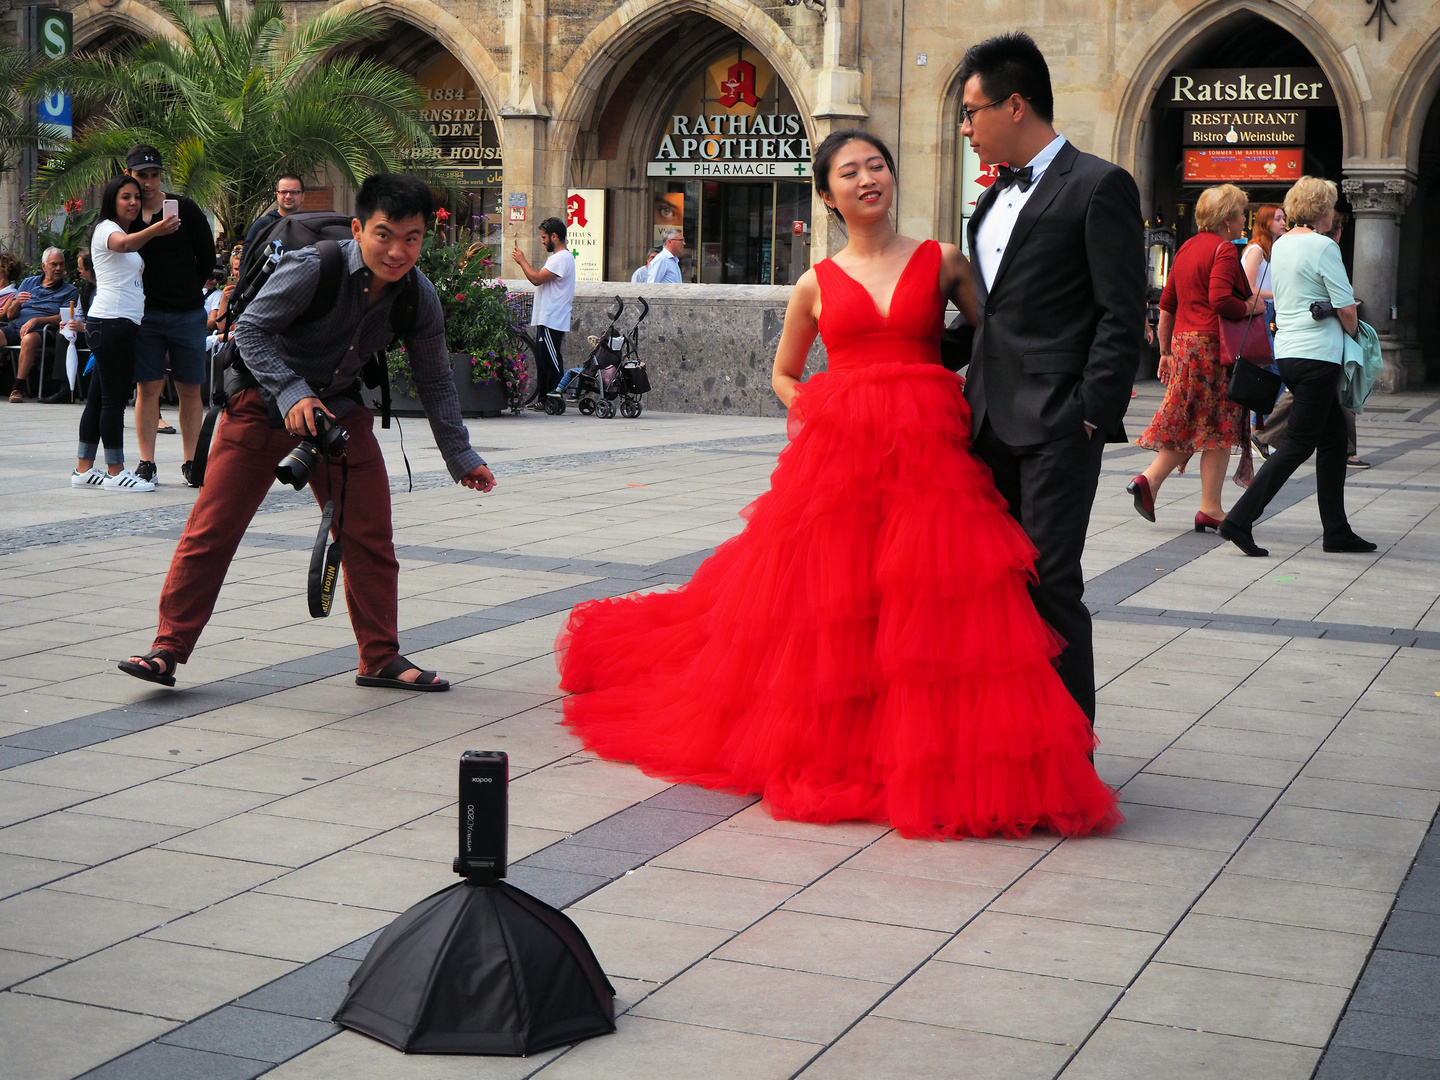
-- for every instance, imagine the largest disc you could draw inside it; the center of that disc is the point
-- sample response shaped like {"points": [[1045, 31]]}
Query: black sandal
{"points": [[147, 668], [389, 676]]}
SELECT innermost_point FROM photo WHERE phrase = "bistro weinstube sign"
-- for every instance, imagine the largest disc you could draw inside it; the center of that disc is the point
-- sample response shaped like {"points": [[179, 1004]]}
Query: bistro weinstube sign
{"points": [[1245, 127], [1247, 88]]}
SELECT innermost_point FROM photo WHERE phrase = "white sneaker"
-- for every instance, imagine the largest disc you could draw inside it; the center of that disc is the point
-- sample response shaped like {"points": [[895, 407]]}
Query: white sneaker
{"points": [[125, 480], [92, 478]]}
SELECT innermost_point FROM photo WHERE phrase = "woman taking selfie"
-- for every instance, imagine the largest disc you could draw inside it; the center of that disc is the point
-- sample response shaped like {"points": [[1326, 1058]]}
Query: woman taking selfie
{"points": [[110, 326]]}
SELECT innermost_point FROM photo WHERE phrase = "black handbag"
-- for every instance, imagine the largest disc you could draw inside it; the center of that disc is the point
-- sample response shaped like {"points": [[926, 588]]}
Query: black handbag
{"points": [[1251, 386]]}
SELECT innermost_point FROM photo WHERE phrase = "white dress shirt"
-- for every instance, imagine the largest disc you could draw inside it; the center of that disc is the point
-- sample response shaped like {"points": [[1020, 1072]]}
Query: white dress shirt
{"points": [[665, 268], [993, 233]]}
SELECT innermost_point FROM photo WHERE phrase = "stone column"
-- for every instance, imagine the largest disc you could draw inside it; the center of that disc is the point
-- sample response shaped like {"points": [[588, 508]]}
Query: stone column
{"points": [[837, 102], [1378, 199], [525, 135]]}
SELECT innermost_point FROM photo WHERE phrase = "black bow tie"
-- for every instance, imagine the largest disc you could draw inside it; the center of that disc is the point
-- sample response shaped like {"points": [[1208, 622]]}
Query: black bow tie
{"points": [[1008, 176]]}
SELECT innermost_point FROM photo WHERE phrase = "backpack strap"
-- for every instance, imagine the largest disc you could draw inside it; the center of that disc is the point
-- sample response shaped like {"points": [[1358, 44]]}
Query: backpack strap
{"points": [[327, 289]]}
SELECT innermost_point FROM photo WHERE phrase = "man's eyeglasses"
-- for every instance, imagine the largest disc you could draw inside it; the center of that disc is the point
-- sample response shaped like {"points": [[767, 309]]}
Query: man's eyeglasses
{"points": [[967, 114], [295, 193]]}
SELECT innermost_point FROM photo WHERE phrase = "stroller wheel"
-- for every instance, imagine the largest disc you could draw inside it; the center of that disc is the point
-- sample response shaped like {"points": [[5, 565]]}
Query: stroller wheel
{"points": [[630, 408], [605, 409], [586, 405], [554, 404]]}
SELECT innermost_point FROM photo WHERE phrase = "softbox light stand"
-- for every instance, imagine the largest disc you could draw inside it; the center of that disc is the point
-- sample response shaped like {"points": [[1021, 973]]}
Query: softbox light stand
{"points": [[480, 967]]}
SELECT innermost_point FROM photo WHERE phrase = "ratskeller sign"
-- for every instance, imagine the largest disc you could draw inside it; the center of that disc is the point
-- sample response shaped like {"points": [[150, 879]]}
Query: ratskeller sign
{"points": [[1247, 87]]}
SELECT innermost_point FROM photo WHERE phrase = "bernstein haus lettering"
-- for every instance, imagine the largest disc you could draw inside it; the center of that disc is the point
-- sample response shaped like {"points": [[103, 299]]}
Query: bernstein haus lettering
{"points": [[1258, 86]]}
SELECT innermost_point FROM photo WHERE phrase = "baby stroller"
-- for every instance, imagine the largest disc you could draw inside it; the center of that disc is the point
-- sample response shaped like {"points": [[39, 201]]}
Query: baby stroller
{"points": [[612, 370]]}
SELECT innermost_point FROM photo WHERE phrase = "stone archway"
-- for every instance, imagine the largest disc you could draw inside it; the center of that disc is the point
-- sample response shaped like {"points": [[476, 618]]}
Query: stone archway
{"points": [[94, 20], [666, 37], [628, 29], [448, 31], [1153, 54]]}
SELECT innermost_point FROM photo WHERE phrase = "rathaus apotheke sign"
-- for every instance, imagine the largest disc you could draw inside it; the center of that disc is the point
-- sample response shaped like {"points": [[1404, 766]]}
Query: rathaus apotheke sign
{"points": [[1247, 87], [733, 143]]}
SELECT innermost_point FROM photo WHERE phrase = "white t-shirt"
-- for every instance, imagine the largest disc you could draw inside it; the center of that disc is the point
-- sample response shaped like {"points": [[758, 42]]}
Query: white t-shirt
{"points": [[554, 299], [119, 293]]}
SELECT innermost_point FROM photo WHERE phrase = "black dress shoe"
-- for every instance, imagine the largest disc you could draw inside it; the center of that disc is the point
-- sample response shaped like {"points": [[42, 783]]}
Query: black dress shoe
{"points": [[1241, 538], [59, 397], [1347, 543]]}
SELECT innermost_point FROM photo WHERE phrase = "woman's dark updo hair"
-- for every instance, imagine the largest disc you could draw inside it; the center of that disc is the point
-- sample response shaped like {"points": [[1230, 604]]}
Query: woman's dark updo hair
{"points": [[108, 211], [833, 144]]}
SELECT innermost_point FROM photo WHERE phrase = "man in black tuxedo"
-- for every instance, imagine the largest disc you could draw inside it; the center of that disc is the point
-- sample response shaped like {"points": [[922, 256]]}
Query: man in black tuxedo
{"points": [[1058, 248]]}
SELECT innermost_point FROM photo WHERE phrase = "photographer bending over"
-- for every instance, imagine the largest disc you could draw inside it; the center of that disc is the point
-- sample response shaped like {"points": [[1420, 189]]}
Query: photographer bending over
{"points": [[299, 368]]}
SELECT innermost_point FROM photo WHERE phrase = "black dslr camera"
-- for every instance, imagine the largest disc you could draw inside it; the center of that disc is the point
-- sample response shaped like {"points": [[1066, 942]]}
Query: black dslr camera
{"points": [[1321, 310], [295, 468]]}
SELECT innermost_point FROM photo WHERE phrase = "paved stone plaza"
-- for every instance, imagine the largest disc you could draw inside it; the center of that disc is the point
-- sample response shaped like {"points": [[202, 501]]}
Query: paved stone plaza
{"points": [[190, 876]]}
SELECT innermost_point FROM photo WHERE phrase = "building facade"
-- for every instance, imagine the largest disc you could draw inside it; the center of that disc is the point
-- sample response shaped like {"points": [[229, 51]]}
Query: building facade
{"points": [[702, 115]]}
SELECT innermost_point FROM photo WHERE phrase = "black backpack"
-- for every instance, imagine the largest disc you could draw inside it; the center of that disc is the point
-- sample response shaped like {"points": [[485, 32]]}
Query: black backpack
{"points": [[323, 230]]}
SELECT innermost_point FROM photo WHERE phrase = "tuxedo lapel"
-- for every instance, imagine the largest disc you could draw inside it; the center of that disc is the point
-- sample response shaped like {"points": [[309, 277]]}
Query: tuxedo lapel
{"points": [[1049, 186], [982, 207]]}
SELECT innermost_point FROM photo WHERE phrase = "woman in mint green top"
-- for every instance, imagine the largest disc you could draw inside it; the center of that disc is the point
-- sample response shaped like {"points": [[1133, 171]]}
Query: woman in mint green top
{"points": [[1305, 267]]}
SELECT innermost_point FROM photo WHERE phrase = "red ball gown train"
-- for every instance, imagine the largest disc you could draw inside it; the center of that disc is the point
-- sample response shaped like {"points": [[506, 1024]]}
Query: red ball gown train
{"points": [[866, 649]]}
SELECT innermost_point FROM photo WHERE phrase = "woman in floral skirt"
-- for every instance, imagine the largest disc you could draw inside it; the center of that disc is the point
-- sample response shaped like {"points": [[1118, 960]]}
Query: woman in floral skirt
{"points": [[1206, 283]]}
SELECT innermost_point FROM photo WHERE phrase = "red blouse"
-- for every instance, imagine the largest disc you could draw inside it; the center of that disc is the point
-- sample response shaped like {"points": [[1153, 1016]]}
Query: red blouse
{"points": [[1206, 280]]}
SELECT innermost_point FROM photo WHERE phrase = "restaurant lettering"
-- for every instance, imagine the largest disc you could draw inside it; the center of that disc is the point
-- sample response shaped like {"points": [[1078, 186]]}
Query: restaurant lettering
{"points": [[1260, 128]]}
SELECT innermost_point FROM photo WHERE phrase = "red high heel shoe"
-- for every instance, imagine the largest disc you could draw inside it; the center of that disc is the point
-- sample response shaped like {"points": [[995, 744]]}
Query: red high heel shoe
{"points": [[1144, 497], [1205, 523]]}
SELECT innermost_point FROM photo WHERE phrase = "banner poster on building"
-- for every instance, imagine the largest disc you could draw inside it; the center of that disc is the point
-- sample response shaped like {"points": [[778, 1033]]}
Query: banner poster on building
{"points": [[975, 177], [737, 120], [585, 232], [669, 213], [463, 132], [1279, 165]]}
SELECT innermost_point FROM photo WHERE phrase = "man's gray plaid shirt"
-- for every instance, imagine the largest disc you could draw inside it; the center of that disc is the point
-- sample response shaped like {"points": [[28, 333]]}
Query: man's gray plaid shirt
{"points": [[294, 360]]}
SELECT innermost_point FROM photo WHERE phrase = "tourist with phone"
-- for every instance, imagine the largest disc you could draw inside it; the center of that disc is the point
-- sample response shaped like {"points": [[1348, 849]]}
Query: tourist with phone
{"points": [[177, 266]]}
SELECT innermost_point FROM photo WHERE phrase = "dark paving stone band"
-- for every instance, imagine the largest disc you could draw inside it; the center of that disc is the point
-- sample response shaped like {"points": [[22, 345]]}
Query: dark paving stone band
{"points": [[1391, 1026], [291, 1015]]}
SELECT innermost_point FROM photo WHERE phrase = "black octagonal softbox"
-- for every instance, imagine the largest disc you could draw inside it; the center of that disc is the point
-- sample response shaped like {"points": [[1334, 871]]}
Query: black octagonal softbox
{"points": [[480, 967]]}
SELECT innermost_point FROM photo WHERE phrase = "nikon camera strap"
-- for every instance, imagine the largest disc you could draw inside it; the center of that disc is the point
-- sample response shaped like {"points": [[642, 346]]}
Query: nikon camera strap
{"points": [[325, 558]]}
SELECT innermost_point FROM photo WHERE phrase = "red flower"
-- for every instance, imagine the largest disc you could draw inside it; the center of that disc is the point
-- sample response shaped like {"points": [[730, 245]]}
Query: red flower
{"points": [[460, 297], [73, 206], [442, 215]]}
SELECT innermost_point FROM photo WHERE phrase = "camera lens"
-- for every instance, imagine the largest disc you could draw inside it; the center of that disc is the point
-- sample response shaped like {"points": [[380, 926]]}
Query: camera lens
{"points": [[295, 468]]}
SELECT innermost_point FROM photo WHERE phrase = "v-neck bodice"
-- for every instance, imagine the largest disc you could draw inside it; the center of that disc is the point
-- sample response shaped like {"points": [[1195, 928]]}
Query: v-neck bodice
{"points": [[856, 334]]}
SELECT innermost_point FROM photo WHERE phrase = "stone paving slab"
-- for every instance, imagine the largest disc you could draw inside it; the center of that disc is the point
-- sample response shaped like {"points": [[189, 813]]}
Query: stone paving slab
{"points": [[192, 876]]}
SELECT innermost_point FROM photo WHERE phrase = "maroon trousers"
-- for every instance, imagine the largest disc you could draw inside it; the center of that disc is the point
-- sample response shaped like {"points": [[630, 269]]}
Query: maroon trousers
{"points": [[241, 469]]}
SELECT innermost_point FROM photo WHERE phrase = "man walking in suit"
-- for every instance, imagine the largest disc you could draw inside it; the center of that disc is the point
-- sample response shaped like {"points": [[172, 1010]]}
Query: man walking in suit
{"points": [[1058, 246]]}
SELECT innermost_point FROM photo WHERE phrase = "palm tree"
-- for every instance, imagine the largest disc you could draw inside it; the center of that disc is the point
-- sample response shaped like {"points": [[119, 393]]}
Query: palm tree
{"points": [[235, 102], [20, 127]]}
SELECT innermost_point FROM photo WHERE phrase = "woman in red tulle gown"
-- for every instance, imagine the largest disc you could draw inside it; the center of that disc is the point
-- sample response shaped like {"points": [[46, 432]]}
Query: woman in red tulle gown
{"points": [[866, 649]]}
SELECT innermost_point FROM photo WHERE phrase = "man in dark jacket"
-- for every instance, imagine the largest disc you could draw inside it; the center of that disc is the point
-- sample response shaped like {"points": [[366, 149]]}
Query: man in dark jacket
{"points": [[173, 331], [1057, 244], [298, 375]]}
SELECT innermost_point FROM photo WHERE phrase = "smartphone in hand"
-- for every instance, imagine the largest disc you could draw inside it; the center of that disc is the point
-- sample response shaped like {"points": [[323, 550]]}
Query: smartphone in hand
{"points": [[170, 208]]}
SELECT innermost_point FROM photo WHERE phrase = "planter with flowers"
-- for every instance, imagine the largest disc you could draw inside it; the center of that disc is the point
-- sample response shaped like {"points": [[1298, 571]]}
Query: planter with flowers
{"points": [[481, 317]]}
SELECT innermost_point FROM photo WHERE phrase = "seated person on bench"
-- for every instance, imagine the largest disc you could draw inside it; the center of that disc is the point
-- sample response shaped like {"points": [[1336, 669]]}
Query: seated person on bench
{"points": [[37, 304]]}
